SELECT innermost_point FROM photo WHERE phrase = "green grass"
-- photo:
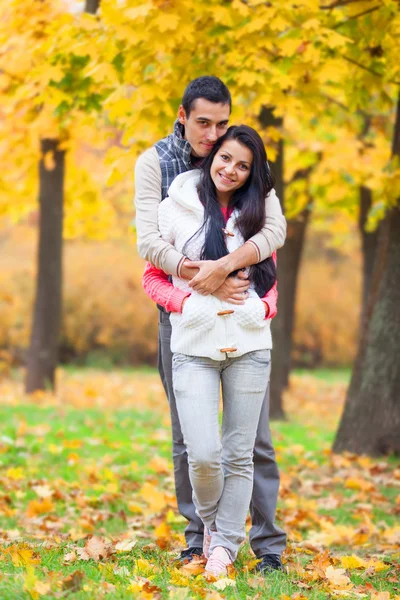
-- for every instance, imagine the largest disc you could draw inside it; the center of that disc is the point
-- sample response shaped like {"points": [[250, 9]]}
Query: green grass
{"points": [[97, 460]]}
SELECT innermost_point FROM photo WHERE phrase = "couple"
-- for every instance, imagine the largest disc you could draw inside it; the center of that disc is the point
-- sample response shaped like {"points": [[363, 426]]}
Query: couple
{"points": [[208, 216]]}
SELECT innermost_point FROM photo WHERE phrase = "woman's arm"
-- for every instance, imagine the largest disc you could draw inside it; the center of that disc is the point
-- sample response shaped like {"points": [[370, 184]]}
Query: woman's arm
{"points": [[157, 286]]}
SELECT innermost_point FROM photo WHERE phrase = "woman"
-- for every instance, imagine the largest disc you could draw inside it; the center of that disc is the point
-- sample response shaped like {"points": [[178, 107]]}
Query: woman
{"points": [[209, 213]]}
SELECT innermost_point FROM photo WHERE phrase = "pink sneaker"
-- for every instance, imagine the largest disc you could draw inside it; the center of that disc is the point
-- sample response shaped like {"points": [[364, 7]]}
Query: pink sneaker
{"points": [[206, 542], [218, 562]]}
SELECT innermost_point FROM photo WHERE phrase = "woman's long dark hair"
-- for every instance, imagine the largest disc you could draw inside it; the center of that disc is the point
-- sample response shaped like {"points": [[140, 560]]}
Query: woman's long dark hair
{"points": [[249, 199]]}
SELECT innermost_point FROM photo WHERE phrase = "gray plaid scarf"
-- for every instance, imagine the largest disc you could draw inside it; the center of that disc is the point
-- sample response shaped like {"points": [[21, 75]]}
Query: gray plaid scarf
{"points": [[174, 155]]}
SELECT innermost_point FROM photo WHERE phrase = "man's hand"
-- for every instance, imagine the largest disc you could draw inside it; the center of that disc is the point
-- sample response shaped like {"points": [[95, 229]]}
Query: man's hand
{"points": [[234, 289], [211, 275], [188, 272]]}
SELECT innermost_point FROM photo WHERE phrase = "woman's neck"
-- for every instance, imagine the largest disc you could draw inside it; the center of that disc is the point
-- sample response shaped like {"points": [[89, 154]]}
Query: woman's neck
{"points": [[223, 198]]}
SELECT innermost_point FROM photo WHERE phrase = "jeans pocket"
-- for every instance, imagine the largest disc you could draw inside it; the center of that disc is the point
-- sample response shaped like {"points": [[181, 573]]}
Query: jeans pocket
{"points": [[178, 360], [261, 357]]}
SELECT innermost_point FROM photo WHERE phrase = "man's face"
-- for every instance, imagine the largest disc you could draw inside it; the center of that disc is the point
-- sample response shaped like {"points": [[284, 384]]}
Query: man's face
{"points": [[206, 123]]}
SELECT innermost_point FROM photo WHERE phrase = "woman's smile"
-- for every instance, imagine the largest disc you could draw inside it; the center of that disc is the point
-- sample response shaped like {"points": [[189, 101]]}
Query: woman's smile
{"points": [[230, 169]]}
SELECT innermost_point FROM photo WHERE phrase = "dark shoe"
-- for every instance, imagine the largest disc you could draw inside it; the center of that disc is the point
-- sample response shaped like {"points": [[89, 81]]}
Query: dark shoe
{"points": [[268, 563], [188, 554]]}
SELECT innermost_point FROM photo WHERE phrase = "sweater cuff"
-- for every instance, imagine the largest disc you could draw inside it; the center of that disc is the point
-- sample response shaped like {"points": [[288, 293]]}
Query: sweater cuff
{"points": [[172, 262], [176, 299], [269, 309], [178, 270], [256, 248]]}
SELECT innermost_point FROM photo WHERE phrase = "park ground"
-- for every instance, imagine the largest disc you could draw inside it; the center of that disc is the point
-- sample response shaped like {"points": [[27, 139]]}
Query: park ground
{"points": [[87, 506]]}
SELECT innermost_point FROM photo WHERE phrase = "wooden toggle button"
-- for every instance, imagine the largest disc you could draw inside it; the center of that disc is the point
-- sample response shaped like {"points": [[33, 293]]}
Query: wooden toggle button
{"points": [[227, 232], [225, 312], [228, 350]]}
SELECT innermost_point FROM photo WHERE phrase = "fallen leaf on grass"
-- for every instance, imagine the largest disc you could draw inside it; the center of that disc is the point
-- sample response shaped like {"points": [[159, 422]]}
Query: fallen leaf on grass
{"points": [[337, 578], [153, 497], [353, 562], [159, 465], [39, 507], [178, 578], [195, 567], [221, 584], [22, 556], [43, 491], [95, 548], [163, 535], [145, 568], [381, 596], [70, 556], [125, 545], [73, 582]]}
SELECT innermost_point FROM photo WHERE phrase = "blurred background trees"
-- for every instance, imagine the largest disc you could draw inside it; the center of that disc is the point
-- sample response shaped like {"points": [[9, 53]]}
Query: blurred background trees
{"points": [[85, 87]]}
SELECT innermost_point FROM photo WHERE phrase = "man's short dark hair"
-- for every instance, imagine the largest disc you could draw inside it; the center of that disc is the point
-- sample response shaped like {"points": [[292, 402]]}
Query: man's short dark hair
{"points": [[208, 87]]}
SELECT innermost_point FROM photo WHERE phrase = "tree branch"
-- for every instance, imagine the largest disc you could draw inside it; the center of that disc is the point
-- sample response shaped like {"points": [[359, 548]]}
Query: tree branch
{"points": [[354, 62], [366, 12], [340, 3]]}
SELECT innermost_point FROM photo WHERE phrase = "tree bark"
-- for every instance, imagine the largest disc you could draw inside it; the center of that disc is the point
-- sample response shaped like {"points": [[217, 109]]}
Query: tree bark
{"points": [[42, 354], [91, 6], [289, 259], [369, 241], [370, 422]]}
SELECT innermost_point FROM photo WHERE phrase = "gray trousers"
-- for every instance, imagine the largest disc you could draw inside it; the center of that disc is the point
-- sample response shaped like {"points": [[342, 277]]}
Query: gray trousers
{"points": [[265, 536]]}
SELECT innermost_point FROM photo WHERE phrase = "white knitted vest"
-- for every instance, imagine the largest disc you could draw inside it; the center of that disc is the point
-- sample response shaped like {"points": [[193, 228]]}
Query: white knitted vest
{"points": [[201, 330]]}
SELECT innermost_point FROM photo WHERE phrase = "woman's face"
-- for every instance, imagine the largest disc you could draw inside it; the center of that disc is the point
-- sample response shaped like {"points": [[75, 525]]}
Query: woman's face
{"points": [[231, 168]]}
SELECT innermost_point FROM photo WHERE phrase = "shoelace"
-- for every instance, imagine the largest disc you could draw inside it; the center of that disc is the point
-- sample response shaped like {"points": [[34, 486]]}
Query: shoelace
{"points": [[216, 564]]}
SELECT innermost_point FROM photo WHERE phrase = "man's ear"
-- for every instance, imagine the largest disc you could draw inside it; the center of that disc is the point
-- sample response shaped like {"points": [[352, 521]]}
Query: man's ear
{"points": [[181, 115]]}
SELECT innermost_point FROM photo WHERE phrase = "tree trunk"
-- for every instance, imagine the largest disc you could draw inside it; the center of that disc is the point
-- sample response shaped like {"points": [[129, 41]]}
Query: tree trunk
{"points": [[370, 422], [289, 259], [42, 354], [91, 6], [369, 242]]}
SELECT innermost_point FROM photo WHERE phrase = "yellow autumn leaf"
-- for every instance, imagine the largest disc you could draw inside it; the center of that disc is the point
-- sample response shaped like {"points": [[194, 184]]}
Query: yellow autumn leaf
{"points": [[15, 473], [352, 562], [163, 530], [377, 565], [178, 578], [356, 483], [166, 22], [39, 507], [145, 568], [154, 498], [22, 556]]}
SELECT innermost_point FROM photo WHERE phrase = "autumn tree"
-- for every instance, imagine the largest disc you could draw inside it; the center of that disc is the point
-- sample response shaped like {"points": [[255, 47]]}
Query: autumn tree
{"points": [[47, 102], [371, 419]]}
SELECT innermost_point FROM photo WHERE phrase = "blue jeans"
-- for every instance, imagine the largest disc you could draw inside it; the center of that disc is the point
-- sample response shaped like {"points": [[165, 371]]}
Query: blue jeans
{"points": [[221, 474]]}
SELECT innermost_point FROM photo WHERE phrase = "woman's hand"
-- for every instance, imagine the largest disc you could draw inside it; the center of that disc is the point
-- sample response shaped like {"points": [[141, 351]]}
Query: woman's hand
{"points": [[234, 289]]}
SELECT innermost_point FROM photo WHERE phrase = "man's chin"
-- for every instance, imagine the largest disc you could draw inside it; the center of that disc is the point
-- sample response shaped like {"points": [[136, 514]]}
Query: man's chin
{"points": [[202, 152]]}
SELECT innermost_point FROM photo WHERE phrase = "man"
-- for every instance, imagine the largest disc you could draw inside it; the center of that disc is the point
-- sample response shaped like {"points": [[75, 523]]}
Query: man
{"points": [[202, 118]]}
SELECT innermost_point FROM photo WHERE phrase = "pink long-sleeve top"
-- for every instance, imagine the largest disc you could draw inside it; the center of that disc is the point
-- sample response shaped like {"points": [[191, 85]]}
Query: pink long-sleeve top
{"points": [[158, 287]]}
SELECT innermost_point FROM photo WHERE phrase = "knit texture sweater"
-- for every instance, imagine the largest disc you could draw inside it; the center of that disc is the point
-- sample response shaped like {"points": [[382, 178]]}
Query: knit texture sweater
{"points": [[208, 326]]}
